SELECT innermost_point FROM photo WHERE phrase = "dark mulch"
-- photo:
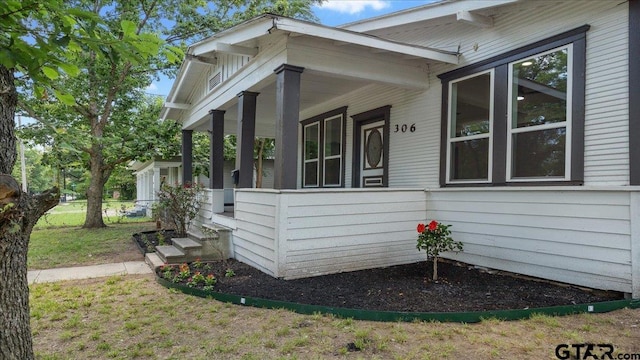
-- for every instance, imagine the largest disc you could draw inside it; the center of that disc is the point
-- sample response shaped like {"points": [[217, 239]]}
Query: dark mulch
{"points": [[400, 288], [147, 241]]}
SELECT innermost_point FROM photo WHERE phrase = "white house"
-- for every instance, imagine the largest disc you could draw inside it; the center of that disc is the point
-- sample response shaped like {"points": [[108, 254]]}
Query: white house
{"points": [[517, 122]]}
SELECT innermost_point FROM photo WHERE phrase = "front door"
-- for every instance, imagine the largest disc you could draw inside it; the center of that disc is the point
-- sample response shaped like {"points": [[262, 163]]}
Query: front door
{"points": [[372, 164], [371, 147]]}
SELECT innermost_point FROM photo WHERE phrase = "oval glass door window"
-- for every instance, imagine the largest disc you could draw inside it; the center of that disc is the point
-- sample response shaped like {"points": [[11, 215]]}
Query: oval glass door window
{"points": [[374, 148]]}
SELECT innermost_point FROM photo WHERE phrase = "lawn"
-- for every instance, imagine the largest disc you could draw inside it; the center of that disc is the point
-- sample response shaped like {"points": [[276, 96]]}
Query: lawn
{"points": [[72, 214], [74, 246], [58, 241], [134, 317]]}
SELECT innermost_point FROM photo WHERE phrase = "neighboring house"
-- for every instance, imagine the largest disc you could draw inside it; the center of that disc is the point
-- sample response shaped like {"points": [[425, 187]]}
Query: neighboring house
{"points": [[517, 122], [150, 175]]}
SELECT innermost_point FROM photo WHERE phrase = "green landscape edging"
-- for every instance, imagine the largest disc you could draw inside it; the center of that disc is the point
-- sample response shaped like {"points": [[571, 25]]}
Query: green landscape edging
{"points": [[359, 314]]}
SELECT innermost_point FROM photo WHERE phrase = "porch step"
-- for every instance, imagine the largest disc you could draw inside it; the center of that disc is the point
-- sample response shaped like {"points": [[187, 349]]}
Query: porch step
{"points": [[190, 247], [170, 254], [153, 260]]}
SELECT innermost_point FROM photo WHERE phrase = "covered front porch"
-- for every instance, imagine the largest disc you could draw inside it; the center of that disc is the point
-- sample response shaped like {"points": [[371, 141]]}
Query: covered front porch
{"points": [[289, 80]]}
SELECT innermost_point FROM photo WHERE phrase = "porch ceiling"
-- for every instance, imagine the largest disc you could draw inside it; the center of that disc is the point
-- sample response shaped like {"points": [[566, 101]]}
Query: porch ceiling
{"points": [[346, 59], [316, 89]]}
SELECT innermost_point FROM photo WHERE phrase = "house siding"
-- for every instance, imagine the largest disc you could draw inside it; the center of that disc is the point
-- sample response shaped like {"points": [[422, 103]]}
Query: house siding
{"points": [[346, 230], [255, 234], [413, 156], [606, 98], [575, 235], [227, 65]]}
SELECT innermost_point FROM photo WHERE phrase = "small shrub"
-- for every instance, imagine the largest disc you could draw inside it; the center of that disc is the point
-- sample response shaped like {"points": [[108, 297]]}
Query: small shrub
{"points": [[434, 239], [182, 204]]}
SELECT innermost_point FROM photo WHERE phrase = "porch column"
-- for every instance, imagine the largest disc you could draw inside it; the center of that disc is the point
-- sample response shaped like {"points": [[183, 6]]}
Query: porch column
{"points": [[216, 161], [287, 120], [216, 154], [246, 137], [138, 187], [156, 184], [187, 156]]}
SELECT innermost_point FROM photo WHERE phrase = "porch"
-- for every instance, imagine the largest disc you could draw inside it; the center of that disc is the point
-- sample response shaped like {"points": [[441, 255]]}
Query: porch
{"points": [[577, 235]]}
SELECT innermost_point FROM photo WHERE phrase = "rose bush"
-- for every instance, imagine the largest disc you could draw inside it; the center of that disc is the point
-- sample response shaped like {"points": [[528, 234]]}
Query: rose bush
{"points": [[434, 239]]}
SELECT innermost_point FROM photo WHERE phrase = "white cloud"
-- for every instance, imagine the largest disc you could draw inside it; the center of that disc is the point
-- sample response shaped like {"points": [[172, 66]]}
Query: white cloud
{"points": [[354, 6], [152, 87]]}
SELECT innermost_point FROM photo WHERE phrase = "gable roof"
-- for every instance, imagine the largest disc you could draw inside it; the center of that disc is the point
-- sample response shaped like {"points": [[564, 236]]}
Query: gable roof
{"points": [[426, 12], [242, 39]]}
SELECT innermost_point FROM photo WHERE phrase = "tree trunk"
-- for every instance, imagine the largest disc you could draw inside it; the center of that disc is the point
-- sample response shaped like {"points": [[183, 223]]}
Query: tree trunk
{"points": [[259, 163], [435, 268], [94, 193], [8, 103], [18, 213]]}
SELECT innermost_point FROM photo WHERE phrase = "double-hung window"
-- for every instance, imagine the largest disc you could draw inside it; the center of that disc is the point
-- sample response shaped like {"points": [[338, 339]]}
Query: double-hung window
{"points": [[517, 118], [539, 117], [469, 132], [323, 149]]}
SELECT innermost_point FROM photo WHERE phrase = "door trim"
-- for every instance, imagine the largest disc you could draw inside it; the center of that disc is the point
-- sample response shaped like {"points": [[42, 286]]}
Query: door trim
{"points": [[382, 113]]}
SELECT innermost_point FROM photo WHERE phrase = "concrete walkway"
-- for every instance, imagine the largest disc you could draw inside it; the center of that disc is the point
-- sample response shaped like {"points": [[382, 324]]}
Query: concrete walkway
{"points": [[88, 272]]}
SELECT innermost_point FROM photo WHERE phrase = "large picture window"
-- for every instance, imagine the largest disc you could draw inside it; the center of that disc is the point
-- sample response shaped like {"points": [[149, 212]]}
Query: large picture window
{"points": [[323, 150], [517, 118]]}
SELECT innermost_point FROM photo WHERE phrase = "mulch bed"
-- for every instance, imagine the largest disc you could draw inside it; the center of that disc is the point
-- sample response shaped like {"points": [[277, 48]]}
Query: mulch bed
{"points": [[148, 240], [460, 288]]}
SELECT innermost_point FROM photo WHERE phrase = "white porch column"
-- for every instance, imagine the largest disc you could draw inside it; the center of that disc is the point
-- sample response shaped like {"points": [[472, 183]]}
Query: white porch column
{"points": [[138, 186], [156, 184]]}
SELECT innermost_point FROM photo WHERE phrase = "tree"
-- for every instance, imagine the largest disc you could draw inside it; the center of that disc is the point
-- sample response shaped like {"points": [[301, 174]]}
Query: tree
{"points": [[40, 176], [33, 36], [106, 105]]}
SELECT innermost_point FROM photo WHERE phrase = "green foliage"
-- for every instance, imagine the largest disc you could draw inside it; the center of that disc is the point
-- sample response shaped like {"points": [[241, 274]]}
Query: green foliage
{"points": [[40, 177], [435, 239], [182, 203]]}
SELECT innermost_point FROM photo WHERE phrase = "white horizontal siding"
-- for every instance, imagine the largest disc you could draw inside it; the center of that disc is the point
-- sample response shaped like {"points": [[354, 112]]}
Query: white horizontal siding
{"points": [[577, 236], [346, 230], [227, 65], [205, 211], [413, 157], [254, 237], [523, 23]]}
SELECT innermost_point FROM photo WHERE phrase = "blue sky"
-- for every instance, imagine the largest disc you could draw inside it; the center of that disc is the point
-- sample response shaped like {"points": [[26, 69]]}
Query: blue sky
{"points": [[332, 13]]}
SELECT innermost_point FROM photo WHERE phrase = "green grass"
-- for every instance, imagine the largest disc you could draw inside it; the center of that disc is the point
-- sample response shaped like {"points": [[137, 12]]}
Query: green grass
{"points": [[73, 214], [134, 317], [61, 247]]}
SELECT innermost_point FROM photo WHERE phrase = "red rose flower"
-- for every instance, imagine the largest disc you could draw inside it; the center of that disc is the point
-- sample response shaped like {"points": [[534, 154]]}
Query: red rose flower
{"points": [[433, 225], [421, 228]]}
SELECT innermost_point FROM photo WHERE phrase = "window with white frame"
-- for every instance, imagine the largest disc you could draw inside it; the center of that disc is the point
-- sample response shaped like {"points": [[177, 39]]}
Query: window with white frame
{"points": [[323, 149], [518, 117], [469, 128], [540, 117]]}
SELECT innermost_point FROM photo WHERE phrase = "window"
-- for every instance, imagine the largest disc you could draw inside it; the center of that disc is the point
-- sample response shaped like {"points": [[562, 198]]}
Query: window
{"points": [[539, 94], [469, 135], [517, 118], [323, 157]]}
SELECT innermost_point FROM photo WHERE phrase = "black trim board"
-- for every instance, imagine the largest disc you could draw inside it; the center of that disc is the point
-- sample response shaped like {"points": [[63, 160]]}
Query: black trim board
{"points": [[634, 92], [519, 53], [319, 119], [381, 113], [500, 64]]}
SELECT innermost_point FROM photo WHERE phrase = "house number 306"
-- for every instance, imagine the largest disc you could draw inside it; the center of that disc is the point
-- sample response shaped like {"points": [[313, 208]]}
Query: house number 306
{"points": [[404, 128]]}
